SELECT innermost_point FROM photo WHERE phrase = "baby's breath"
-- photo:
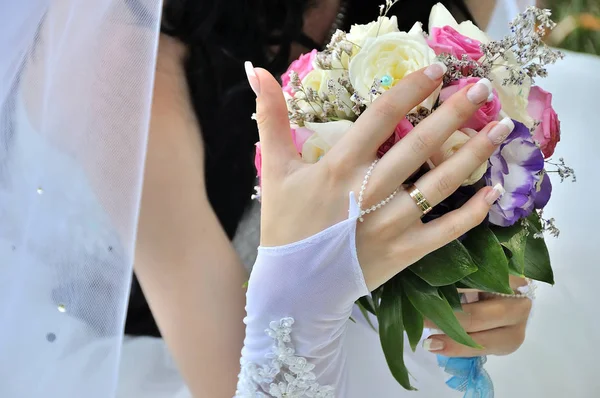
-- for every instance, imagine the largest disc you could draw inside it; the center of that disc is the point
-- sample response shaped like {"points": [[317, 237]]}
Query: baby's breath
{"points": [[548, 225], [461, 68], [525, 46], [563, 171]]}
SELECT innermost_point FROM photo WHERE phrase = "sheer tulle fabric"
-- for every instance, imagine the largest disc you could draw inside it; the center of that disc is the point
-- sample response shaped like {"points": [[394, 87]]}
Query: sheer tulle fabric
{"points": [[75, 92]]}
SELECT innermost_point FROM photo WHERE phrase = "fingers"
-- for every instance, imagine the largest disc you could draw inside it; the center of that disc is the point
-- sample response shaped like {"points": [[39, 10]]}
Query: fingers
{"points": [[501, 341], [425, 139], [451, 226], [277, 147], [492, 314], [378, 122], [442, 181]]}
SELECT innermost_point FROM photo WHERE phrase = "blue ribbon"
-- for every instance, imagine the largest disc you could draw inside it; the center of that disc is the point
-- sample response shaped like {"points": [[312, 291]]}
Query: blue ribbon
{"points": [[468, 376]]}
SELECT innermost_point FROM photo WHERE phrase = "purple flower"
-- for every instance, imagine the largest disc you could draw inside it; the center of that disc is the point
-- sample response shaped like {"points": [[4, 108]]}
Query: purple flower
{"points": [[518, 165]]}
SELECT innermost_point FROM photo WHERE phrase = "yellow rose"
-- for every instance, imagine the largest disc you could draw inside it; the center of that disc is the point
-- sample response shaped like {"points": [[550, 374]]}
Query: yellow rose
{"points": [[393, 56], [325, 136], [449, 148]]}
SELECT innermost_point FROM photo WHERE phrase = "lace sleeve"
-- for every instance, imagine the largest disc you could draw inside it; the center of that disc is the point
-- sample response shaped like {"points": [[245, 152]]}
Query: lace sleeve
{"points": [[300, 297]]}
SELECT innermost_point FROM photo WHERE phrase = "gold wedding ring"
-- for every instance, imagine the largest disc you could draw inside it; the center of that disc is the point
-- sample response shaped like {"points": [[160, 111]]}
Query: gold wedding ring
{"points": [[420, 200]]}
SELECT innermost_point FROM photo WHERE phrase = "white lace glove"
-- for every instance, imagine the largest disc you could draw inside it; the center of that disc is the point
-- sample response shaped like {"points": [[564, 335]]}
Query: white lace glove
{"points": [[299, 300]]}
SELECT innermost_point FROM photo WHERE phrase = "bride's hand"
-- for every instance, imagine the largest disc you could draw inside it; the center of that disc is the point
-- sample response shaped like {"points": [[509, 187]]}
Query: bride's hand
{"points": [[300, 200], [496, 323]]}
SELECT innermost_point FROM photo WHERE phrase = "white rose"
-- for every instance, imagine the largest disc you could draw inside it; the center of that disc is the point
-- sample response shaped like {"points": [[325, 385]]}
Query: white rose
{"points": [[318, 80], [360, 33], [394, 55], [514, 99], [449, 148], [325, 136], [440, 17]]}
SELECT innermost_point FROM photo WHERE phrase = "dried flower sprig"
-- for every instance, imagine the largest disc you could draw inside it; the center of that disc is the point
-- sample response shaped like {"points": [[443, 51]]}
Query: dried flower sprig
{"points": [[563, 171], [308, 105], [525, 46], [384, 9], [418, 115], [548, 225], [461, 68]]}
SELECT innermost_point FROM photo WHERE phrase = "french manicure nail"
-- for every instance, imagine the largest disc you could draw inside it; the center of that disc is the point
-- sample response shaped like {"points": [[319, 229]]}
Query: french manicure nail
{"points": [[499, 132], [436, 331], [435, 71], [480, 91], [252, 78], [494, 194], [433, 345]]}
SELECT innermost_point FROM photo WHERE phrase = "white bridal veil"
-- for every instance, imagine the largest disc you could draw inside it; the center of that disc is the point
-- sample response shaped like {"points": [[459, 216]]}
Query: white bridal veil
{"points": [[75, 92]]}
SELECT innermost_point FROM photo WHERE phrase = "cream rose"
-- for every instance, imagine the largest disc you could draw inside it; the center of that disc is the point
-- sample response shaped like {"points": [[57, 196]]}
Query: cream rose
{"points": [[360, 33], [318, 80], [393, 55], [325, 136], [512, 98], [449, 148]]}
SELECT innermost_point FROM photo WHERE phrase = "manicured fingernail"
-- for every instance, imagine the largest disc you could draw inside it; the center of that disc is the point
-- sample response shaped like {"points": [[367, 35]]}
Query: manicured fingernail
{"points": [[499, 132], [436, 331], [435, 71], [433, 344], [494, 194], [480, 92], [252, 78]]}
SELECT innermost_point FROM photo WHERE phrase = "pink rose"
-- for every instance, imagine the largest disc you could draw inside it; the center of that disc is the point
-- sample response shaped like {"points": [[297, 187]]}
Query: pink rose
{"points": [[540, 108], [302, 66], [299, 136], [488, 112], [448, 40], [401, 131], [258, 160]]}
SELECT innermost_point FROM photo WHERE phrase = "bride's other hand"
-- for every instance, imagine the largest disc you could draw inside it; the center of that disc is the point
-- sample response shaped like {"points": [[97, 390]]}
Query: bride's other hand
{"points": [[496, 323], [300, 200]]}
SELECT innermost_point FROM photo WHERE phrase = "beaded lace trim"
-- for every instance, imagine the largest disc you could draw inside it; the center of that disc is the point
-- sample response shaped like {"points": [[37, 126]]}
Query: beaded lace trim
{"points": [[285, 376]]}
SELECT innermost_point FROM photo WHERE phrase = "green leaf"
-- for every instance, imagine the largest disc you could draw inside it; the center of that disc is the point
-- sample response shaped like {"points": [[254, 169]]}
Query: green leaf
{"points": [[365, 313], [492, 264], [537, 258], [445, 266], [514, 239], [367, 303], [413, 322], [451, 294], [391, 331], [436, 308], [515, 269], [534, 219], [376, 296]]}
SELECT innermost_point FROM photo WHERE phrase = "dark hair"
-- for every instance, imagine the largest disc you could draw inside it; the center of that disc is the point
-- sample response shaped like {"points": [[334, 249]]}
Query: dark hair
{"points": [[220, 36]]}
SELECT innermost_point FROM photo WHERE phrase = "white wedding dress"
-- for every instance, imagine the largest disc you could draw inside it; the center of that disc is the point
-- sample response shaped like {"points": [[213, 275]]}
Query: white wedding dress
{"points": [[558, 358]]}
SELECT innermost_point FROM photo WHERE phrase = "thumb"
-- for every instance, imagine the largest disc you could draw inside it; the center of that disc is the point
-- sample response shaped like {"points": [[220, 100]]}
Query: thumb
{"points": [[272, 118]]}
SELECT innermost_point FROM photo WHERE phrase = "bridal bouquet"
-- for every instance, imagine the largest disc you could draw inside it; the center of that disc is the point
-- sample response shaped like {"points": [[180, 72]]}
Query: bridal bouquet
{"points": [[327, 91]]}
